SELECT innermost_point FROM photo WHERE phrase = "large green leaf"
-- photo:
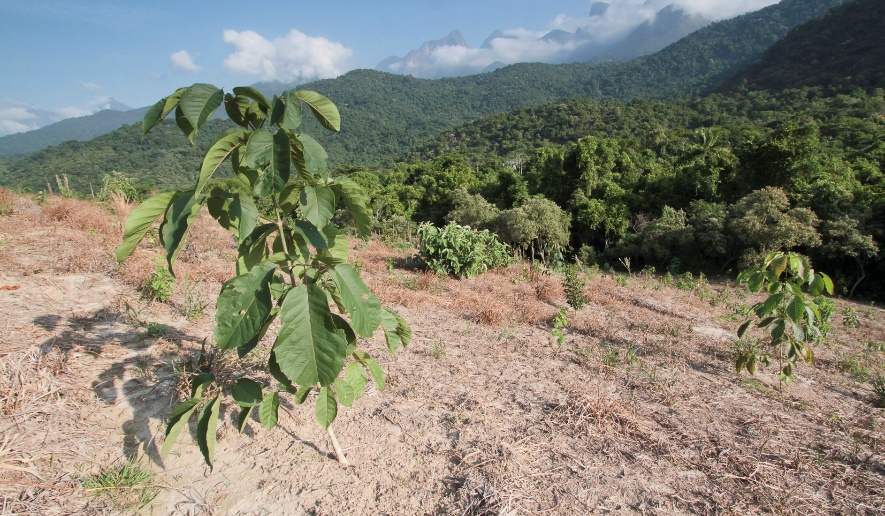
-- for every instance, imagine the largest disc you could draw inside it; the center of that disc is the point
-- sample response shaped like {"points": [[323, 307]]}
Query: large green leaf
{"points": [[286, 111], [247, 348], [317, 205], [308, 156], [326, 408], [345, 392], [199, 102], [323, 109], [268, 410], [252, 93], [356, 377], [243, 418], [182, 122], [246, 392], [140, 220], [357, 202], [207, 424], [177, 421], [373, 367], [243, 305], [218, 152], [235, 106], [396, 330], [274, 368], [176, 224], [259, 149], [269, 152], [796, 308], [160, 111], [309, 348], [253, 250], [363, 306], [337, 249], [234, 212]]}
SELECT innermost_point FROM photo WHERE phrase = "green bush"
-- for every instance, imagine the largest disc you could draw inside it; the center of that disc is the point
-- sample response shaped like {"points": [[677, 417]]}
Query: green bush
{"points": [[460, 251], [574, 287]]}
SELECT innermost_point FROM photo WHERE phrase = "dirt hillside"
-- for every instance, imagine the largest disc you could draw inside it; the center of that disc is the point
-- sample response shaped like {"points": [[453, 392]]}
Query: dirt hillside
{"points": [[638, 411]]}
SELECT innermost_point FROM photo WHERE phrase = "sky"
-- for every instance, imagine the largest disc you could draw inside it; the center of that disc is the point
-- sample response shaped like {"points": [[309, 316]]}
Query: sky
{"points": [[64, 58]]}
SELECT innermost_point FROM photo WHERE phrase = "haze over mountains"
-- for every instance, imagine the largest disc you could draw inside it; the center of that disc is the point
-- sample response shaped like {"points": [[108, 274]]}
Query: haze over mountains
{"points": [[608, 33]]}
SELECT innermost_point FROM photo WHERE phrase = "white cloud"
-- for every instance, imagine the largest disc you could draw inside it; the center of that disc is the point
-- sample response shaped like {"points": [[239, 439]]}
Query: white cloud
{"points": [[16, 120], [296, 56], [18, 117], [182, 60], [723, 9], [91, 86]]}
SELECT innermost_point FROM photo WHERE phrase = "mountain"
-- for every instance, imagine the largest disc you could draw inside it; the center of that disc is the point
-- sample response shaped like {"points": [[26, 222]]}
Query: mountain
{"points": [[79, 129], [422, 62], [386, 115], [670, 24], [441, 58], [842, 51]]}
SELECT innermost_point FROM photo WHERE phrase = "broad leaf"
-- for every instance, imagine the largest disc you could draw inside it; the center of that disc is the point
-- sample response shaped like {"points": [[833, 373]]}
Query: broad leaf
{"points": [[363, 306], [243, 306], [247, 348], [308, 156], [357, 203], [140, 220], [349, 335], [326, 408], [236, 107], [396, 330], [207, 425], [252, 93], [253, 250], [177, 421], [234, 212], [778, 328], [176, 224], [259, 149], [309, 348], [769, 305], [243, 418], [795, 309], [337, 249], [218, 152], [160, 111], [286, 111], [317, 205], [356, 377], [183, 124], [268, 410], [323, 109], [246, 392], [277, 373], [373, 367], [345, 392], [199, 102], [743, 329]]}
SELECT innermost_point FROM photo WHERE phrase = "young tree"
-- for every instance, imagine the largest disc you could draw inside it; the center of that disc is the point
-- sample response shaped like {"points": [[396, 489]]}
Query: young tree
{"points": [[292, 263]]}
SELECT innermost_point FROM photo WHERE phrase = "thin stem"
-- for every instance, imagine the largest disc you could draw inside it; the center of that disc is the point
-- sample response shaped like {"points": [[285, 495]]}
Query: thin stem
{"points": [[282, 229], [339, 453]]}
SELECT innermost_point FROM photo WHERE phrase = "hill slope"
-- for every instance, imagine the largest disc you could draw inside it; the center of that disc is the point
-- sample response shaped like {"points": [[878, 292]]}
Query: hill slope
{"points": [[842, 51], [79, 129], [386, 115]]}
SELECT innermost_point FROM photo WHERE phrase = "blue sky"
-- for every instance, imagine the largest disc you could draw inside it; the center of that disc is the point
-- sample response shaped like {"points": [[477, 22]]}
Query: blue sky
{"points": [[68, 57]]}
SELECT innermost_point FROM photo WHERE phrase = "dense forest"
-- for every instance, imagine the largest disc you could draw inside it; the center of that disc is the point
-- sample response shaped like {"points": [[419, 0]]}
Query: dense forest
{"points": [[386, 115], [627, 175]]}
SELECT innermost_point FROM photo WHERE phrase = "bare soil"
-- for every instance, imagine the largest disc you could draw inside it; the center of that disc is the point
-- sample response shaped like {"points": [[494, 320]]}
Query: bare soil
{"points": [[639, 411]]}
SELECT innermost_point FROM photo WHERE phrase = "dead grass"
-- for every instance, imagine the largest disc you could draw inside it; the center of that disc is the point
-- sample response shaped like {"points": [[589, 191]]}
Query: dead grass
{"points": [[7, 202]]}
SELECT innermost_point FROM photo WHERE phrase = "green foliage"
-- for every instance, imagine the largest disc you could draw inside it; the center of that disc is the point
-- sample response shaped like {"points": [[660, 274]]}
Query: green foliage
{"points": [[129, 486], [574, 287], [560, 323], [789, 314], [878, 384], [160, 284], [850, 318], [460, 251], [290, 266], [118, 185]]}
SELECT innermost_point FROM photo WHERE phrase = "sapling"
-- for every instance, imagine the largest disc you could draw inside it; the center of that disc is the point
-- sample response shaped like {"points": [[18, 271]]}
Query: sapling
{"points": [[292, 264]]}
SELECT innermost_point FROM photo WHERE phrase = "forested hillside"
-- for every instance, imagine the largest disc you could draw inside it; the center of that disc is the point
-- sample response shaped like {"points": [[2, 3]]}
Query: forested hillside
{"points": [[385, 116], [841, 51]]}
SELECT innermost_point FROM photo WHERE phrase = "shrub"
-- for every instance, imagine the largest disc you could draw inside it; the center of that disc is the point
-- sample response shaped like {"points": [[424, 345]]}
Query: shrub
{"points": [[574, 287], [461, 251]]}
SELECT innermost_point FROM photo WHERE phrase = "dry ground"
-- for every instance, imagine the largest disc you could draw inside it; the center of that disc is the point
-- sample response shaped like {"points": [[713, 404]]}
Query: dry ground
{"points": [[639, 411]]}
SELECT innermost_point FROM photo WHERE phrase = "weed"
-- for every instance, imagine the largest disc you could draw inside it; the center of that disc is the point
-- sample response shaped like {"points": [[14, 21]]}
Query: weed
{"points": [[611, 357], [7, 202], [855, 366], [389, 264], [827, 309], [559, 324], [631, 356], [128, 486], [622, 280], [850, 318], [160, 283], [876, 346], [878, 383], [437, 350], [156, 330], [685, 281], [667, 278], [574, 287], [193, 307]]}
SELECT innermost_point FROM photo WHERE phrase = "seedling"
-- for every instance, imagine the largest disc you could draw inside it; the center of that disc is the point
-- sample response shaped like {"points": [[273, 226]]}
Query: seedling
{"points": [[292, 262]]}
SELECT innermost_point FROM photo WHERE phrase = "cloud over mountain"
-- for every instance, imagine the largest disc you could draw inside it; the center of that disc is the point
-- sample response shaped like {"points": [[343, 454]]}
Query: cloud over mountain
{"points": [[568, 38], [18, 118], [293, 57], [182, 60]]}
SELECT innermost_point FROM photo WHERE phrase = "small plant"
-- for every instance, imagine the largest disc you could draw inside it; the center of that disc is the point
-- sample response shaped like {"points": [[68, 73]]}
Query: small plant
{"points": [[876, 346], [667, 278], [855, 366], [461, 251], [64, 189], [648, 272], [156, 330], [194, 306], [292, 263], [791, 316], [827, 310], [850, 319], [118, 185], [611, 357], [574, 287], [7, 202], [685, 281], [437, 350], [559, 324], [878, 384], [128, 486], [159, 284], [622, 280]]}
